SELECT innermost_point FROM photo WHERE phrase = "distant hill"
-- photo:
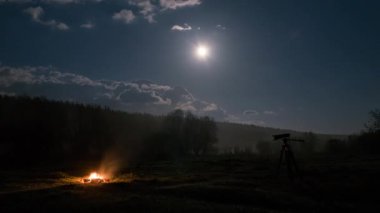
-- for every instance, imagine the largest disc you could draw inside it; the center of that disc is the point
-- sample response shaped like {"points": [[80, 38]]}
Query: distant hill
{"points": [[233, 135]]}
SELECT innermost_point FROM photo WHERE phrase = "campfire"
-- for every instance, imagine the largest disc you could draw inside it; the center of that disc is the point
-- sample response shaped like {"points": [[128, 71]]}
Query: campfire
{"points": [[95, 178]]}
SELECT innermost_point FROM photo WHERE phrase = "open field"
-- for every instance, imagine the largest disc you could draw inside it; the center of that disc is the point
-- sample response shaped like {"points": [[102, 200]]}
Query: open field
{"points": [[218, 184]]}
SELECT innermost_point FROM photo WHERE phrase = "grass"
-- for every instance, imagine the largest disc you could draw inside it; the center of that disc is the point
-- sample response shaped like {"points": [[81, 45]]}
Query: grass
{"points": [[214, 184]]}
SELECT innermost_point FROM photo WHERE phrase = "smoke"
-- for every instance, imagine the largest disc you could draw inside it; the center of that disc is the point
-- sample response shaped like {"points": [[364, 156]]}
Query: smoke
{"points": [[112, 163]]}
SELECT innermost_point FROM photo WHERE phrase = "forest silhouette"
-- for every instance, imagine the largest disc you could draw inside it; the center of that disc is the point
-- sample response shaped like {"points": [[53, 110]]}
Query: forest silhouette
{"points": [[44, 132]]}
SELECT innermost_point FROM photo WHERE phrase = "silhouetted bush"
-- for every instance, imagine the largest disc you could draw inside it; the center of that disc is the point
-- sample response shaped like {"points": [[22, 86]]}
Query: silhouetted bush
{"points": [[336, 146], [373, 125], [368, 142]]}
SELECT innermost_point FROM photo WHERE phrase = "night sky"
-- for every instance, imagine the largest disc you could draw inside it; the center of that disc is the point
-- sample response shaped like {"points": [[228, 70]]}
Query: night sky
{"points": [[302, 65]]}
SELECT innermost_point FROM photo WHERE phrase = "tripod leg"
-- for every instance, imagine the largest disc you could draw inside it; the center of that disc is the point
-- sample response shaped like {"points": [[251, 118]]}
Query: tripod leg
{"points": [[280, 160], [289, 164], [298, 173]]}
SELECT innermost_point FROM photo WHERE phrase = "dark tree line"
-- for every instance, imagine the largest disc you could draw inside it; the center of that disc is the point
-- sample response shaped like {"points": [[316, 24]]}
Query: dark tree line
{"points": [[196, 136], [183, 134], [40, 131], [367, 142]]}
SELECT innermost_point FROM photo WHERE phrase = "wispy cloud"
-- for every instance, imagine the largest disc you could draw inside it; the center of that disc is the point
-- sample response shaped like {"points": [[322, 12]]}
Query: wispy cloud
{"points": [[243, 120], [134, 96], [185, 27], [250, 112], [15, 1], [269, 112], [147, 9], [51, 1], [150, 8], [220, 27], [88, 25], [37, 12], [72, 1], [175, 4], [60, 1], [124, 15]]}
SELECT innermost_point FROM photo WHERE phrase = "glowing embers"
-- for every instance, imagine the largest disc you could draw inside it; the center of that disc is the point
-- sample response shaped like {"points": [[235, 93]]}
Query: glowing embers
{"points": [[95, 178]]}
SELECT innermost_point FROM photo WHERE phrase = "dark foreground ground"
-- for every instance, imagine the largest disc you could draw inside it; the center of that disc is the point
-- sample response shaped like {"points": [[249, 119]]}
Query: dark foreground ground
{"points": [[222, 184]]}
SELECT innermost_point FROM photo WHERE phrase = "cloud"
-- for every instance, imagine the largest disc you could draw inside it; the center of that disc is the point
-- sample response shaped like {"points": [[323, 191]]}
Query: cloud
{"points": [[60, 1], [37, 12], [210, 107], [243, 120], [41, 75], [9, 76], [88, 25], [150, 18], [185, 27], [251, 112], [147, 9], [124, 15], [175, 4], [15, 1], [134, 96], [141, 96], [51, 1], [57, 25], [150, 8], [269, 112], [187, 106], [220, 27]]}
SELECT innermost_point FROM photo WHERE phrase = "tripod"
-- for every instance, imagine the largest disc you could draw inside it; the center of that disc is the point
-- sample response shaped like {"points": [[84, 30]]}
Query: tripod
{"points": [[286, 150]]}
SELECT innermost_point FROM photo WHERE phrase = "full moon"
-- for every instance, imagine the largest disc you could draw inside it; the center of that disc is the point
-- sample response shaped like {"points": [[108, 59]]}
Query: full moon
{"points": [[202, 52]]}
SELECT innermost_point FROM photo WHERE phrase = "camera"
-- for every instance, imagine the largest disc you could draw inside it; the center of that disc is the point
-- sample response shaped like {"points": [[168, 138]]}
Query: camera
{"points": [[280, 136]]}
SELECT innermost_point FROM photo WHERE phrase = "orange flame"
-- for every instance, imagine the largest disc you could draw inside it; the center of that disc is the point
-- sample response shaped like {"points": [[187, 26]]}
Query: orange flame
{"points": [[95, 178], [95, 175]]}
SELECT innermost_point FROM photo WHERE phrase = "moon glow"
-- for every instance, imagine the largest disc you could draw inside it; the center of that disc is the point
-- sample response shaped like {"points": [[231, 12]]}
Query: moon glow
{"points": [[202, 52]]}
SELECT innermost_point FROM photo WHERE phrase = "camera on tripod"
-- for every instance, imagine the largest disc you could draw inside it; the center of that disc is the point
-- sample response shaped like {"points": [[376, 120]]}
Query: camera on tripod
{"points": [[287, 152], [280, 136]]}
